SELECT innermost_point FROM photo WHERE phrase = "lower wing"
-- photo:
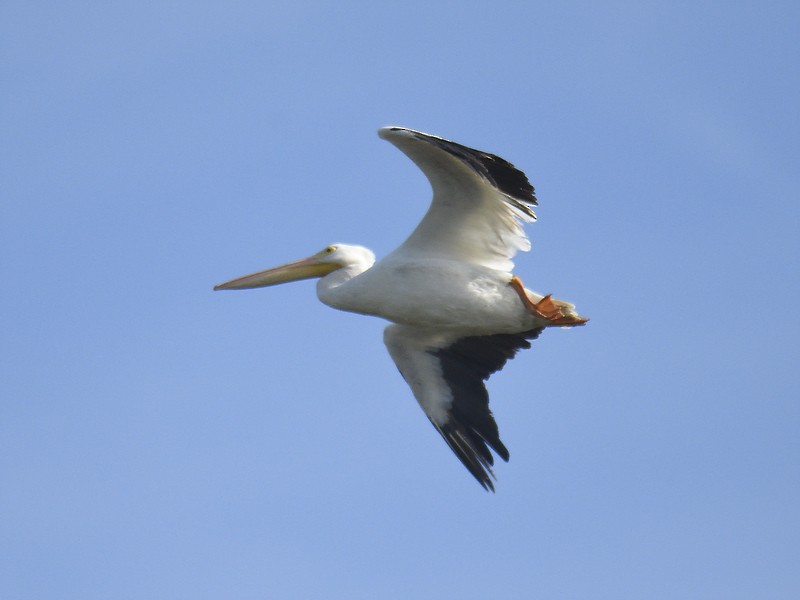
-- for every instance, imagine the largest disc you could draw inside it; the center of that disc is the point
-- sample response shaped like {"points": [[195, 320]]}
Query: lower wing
{"points": [[446, 373]]}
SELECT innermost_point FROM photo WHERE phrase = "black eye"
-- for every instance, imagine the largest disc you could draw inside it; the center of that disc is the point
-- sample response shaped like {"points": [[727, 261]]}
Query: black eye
{"points": [[330, 249]]}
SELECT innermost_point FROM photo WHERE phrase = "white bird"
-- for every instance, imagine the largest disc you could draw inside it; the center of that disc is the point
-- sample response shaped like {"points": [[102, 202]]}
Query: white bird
{"points": [[458, 312]]}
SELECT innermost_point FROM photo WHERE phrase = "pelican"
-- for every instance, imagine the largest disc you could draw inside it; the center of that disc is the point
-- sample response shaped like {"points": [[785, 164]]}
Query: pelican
{"points": [[457, 312]]}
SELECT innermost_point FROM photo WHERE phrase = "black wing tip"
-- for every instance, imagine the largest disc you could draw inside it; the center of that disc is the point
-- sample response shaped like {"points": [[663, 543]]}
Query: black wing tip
{"points": [[507, 178], [503, 175], [470, 429], [471, 451]]}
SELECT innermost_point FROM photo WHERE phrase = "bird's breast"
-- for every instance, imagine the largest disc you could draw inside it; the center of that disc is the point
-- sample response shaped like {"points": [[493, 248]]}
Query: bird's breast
{"points": [[435, 294]]}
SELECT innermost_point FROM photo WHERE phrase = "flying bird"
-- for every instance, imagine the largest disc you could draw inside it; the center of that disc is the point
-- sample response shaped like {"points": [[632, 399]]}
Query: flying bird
{"points": [[457, 312]]}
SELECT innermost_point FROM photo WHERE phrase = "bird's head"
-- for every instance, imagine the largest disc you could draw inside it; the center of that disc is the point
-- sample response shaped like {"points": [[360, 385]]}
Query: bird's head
{"points": [[327, 260]]}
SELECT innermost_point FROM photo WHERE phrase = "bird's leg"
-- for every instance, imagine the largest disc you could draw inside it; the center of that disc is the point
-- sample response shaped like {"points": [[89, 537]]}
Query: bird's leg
{"points": [[546, 308]]}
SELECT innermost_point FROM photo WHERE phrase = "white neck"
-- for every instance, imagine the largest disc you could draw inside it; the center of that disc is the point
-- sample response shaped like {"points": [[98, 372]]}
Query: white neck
{"points": [[333, 289]]}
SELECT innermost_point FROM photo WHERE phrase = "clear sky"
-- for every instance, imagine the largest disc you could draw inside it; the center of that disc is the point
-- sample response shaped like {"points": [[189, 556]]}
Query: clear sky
{"points": [[160, 440]]}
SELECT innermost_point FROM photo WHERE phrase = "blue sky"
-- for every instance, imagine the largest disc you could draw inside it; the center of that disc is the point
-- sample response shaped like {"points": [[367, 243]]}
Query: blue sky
{"points": [[158, 440]]}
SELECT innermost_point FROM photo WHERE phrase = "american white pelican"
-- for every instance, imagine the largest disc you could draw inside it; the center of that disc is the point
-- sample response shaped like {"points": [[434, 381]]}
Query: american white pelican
{"points": [[458, 313]]}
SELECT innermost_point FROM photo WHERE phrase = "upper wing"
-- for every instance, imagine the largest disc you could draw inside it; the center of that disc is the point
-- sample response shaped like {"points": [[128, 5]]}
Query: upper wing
{"points": [[446, 375], [479, 201]]}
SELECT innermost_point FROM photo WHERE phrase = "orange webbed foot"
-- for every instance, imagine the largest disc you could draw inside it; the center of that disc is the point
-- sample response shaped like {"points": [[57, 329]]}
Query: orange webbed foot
{"points": [[546, 308]]}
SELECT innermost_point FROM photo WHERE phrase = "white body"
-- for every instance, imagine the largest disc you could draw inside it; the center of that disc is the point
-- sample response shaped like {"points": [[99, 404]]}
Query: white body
{"points": [[447, 289], [432, 293]]}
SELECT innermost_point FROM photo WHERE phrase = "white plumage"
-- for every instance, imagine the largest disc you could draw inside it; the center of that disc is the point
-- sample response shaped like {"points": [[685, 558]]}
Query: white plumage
{"points": [[457, 310]]}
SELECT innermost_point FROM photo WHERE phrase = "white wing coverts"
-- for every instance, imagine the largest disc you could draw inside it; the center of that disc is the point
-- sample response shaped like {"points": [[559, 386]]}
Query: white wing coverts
{"points": [[479, 202]]}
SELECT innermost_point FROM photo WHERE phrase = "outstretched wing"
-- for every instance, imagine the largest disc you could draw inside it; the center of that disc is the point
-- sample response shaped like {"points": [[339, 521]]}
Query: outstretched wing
{"points": [[480, 202], [446, 375]]}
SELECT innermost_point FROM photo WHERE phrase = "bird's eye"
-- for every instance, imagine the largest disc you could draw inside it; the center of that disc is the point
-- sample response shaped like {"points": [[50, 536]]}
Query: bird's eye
{"points": [[330, 249]]}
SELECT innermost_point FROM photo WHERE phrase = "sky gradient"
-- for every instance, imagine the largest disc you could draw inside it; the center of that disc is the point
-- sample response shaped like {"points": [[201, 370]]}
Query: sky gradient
{"points": [[160, 440]]}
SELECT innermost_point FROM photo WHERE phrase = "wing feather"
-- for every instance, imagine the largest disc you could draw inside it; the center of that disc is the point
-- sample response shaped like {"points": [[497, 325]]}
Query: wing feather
{"points": [[480, 202], [447, 378]]}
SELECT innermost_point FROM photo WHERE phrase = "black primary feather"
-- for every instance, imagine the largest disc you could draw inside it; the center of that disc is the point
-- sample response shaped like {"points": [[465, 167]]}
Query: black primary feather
{"points": [[471, 429]]}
